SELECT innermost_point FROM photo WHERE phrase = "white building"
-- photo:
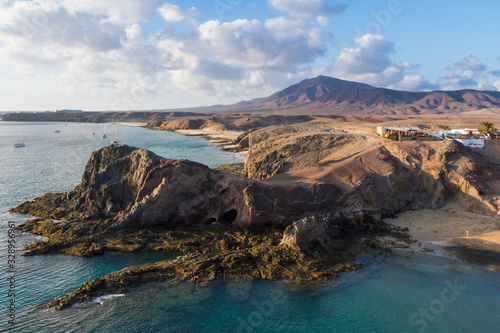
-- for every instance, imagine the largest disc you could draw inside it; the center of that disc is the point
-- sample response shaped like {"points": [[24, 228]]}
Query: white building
{"points": [[469, 137]]}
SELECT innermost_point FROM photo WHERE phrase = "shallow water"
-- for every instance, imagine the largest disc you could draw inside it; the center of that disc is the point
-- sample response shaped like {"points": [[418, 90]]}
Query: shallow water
{"points": [[419, 294]]}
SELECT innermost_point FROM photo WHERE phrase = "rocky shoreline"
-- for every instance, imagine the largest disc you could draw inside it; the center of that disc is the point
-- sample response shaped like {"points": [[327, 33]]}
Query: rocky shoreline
{"points": [[226, 226], [307, 205], [309, 250]]}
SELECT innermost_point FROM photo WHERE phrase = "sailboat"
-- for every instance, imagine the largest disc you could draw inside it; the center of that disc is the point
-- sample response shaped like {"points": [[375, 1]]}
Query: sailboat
{"points": [[115, 141]]}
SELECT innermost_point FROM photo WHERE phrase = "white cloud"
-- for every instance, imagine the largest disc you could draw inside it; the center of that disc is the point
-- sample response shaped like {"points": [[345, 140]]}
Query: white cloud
{"points": [[470, 63], [182, 54], [372, 55], [173, 13], [214, 70], [115, 11], [409, 82], [185, 80], [4, 4], [277, 44], [97, 49], [52, 25], [467, 73], [310, 8], [254, 79], [323, 21], [138, 60], [370, 62], [496, 84], [133, 31]]}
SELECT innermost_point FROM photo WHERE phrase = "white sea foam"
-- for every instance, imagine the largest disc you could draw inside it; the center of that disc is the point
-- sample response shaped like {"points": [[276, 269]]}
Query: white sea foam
{"points": [[102, 299]]}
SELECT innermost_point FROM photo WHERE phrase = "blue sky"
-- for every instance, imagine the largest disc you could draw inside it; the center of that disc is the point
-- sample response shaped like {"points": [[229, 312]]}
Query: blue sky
{"points": [[154, 54]]}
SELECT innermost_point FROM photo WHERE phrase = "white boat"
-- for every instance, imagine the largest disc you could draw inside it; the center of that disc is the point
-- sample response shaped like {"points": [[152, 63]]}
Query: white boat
{"points": [[57, 131], [115, 141], [104, 136]]}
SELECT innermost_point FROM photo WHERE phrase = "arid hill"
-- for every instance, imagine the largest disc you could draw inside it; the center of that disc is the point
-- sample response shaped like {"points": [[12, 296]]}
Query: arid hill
{"points": [[375, 174], [328, 96]]}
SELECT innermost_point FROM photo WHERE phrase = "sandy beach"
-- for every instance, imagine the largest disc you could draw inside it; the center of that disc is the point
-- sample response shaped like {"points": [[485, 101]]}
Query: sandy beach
{"points": [[224, 139], [443, 232], [135, 124], [214, 135]]}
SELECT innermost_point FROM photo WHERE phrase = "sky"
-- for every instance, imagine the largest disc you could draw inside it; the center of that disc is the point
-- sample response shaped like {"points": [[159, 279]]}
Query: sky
{"points": [[98, 55]]}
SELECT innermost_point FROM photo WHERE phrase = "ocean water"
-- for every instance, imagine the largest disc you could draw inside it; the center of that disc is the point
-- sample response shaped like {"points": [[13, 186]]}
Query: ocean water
{"points": [[419, 293]]}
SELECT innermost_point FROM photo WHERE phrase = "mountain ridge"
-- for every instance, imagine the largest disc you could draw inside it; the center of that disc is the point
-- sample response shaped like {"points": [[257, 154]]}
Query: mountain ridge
{"points": [[331, 96], [322, 95]]}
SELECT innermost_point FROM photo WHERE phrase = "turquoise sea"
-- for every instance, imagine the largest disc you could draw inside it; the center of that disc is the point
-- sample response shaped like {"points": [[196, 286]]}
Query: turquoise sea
{"points": [[420, 293]]}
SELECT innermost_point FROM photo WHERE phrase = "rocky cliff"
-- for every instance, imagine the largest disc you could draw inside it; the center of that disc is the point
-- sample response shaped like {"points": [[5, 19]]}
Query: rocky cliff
{"points": [[127, 187], [375, 174]]}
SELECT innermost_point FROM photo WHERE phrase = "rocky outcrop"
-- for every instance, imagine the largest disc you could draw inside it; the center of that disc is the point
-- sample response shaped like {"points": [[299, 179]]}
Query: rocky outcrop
{"points": [[126, 187], [214, 255], [312, 235], [373, 174], [276, 150]]}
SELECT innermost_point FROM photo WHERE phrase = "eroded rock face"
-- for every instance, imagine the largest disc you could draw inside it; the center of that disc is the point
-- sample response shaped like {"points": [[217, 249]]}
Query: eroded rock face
{"points": [[126, 187], [268, 158], [310, 235], [374, 174]]}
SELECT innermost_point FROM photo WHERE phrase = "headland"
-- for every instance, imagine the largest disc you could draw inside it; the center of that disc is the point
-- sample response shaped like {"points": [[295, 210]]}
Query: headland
{"points": [[315, 191]]}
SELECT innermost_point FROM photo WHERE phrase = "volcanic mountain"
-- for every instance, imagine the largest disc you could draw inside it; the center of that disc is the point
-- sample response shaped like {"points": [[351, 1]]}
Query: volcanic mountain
{"points": [[330, 96], [321, 95]]}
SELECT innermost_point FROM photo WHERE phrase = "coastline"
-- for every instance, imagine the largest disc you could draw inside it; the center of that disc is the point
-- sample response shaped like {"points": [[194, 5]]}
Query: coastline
{"points": [[442, 232], [134, 124], [224, 139], [213, 134], [244, 256]]}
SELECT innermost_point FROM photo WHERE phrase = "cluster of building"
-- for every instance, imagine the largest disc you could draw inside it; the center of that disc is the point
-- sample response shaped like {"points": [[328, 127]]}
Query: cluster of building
{"points": [[467, 136]]}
